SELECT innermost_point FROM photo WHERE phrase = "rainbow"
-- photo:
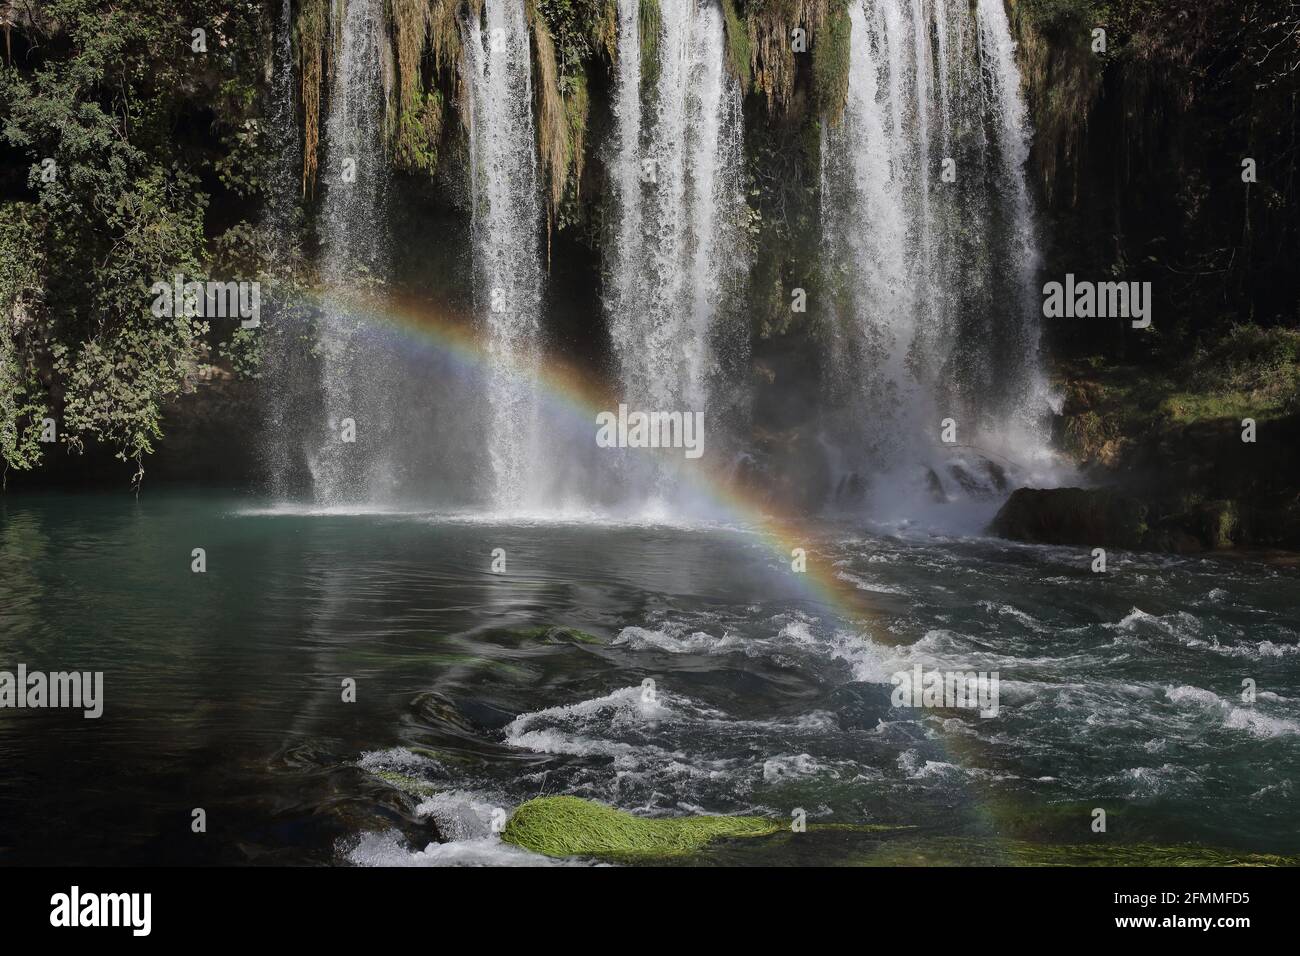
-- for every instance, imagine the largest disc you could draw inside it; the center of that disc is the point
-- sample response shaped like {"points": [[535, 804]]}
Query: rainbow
{"points": [[582, 394]]}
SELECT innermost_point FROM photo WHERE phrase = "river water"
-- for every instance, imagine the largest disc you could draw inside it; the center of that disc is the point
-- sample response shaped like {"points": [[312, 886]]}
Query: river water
{"points": [[223, 690]]}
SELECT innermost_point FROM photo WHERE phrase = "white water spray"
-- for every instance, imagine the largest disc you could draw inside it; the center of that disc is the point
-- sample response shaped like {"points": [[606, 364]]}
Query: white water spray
{"points": [[281, 375], [354, 255], [1013, 134], [675, 173], [935, 316], [507, 220]]}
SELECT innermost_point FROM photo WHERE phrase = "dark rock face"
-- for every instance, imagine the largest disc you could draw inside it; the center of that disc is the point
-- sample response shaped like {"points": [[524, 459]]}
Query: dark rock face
{"points": [[1109, 518], [1082, 516]]}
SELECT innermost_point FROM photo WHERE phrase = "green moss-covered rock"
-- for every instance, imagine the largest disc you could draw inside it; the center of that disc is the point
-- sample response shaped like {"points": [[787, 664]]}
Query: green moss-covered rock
{"points": [[569, 826]]}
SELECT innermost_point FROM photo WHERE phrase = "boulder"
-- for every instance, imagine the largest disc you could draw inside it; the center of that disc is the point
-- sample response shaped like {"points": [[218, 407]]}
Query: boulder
{"points": [[1092, 517]]}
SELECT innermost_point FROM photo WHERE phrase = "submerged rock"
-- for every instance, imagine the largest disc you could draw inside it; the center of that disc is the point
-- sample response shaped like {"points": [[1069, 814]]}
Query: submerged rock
{"points": [[406, 783], [551, 634], [559, 635], [436, 710], [570, 826]]}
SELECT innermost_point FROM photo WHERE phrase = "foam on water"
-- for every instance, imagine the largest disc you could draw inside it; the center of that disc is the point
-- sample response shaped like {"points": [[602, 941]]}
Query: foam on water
{"points": [[389, 849], [460, 815], [1248, 719], [862, 584], [1147, 782], [558, 518], [786, 766], [397, 759], [674, 744], [1098, 695]]}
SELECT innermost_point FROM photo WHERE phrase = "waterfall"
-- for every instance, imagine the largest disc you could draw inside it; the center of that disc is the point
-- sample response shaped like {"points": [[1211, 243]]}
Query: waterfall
{"points": [[932, 279], [867, 221], [280, 378], [926, 287], [507, 251], [1012, 125], [622, 287], [675, 171], [353, 256]]}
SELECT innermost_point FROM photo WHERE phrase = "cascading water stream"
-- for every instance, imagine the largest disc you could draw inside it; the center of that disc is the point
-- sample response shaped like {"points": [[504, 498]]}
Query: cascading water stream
{"points": [[623, 284], [281, 370], [675, 171], [867, 223], [1012, 116], [354, 255], [507, 250], [928, 224]]}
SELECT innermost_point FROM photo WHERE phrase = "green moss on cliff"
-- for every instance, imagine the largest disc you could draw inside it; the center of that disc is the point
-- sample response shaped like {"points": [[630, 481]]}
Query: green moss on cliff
{"points": [[310, 29], [1249, 372], [739, 48], [831, 64], [569, 36], [649, 24], [419, 129]]}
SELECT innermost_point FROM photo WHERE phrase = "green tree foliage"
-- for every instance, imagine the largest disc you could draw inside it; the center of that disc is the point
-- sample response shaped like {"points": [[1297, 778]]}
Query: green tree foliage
{"points": [[116, 112], [21, 402]]}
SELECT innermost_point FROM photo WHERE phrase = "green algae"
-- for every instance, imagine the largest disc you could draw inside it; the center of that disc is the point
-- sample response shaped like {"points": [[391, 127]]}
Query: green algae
{"points": [[548, 634], [856, 828], [570, 826], [406, 783], [964, 851]]}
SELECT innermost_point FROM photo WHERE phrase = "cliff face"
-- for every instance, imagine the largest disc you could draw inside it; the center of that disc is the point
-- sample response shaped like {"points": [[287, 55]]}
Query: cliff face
{"points": [[1170, 158]]}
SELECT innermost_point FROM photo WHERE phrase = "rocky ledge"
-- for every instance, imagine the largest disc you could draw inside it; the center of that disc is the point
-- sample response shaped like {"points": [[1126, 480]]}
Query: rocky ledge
{"points": [[1114, 518]]}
